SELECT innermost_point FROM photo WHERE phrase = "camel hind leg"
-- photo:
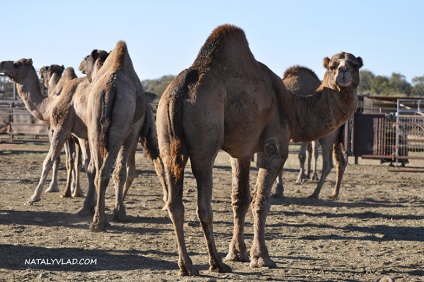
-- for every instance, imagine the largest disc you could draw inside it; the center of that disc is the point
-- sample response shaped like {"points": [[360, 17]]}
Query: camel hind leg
{"points": [[174, 205], [304, 147], [202, 170], [315, 154], [341, 163], [125, 162], [69, 149], [270, 163], [240, 201], [54, 184], [327, 143], [77, 191]]}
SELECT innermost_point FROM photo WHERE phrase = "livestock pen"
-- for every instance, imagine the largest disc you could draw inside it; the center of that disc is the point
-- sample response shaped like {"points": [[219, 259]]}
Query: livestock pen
{"points": [[390, 129]]}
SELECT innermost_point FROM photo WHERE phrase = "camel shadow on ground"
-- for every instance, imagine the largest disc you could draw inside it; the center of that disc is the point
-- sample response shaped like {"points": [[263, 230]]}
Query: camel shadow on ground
{"points": [[19, 219]]}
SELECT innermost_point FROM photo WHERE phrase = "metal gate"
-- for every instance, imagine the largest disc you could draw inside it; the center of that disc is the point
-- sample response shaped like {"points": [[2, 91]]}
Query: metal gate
{"points": [[395, 137]]}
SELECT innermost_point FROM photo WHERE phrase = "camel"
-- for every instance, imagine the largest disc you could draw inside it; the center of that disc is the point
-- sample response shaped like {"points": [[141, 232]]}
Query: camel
{"points": [[70, 113], [117, 108], [302, 81], [227, 100], [54, 81], [65, 114], [52, 74], [147, 137]]}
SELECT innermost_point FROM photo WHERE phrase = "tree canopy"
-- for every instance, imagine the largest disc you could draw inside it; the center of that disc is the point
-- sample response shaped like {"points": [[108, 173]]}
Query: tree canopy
{"points": [[395, 85]]}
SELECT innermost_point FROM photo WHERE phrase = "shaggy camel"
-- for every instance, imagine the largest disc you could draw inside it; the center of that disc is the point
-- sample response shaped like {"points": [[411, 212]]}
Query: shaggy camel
{"points": [[302, 81], [51, 76], [227, 100], [54, 81], [117, 108]]}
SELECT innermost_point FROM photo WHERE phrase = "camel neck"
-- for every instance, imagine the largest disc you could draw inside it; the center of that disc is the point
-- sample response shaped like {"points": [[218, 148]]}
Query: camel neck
{"points": [[321, 113], [30, 92]]}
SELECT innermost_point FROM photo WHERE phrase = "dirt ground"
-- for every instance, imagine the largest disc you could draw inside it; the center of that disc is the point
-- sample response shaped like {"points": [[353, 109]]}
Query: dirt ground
{"points": [[373, 232]]}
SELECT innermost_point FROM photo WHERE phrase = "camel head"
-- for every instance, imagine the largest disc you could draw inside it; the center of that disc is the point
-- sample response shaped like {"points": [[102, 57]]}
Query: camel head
{"points": [[43, 74], [93, 62], [16, 70], [47, 72], [342, 71]]}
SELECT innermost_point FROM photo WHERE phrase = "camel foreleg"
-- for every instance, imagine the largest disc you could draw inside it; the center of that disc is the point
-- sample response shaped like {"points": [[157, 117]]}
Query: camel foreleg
{"points": [[58, 139]]}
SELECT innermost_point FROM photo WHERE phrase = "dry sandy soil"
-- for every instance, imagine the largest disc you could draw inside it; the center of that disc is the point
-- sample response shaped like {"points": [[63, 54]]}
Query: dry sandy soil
{"points": [[373, 232]]}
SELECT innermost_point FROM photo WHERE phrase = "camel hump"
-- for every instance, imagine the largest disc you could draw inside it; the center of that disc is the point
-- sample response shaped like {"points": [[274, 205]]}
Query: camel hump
{"points": [[223, 43], [118, 57], [69, 73], [121, 47], [299, 70]]}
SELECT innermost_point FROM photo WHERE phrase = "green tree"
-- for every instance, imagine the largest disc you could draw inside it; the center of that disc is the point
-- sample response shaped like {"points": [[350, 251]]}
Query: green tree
{"points": [[381, 86], [157, 86], [366, 77], [418, 86], [399, 84]]}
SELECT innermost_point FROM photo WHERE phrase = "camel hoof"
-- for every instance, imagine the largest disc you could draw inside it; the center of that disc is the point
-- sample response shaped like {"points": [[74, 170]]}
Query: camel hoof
{"points": [[52, 189], [78, 193], [313, 196], [262, 262], [220, 268], [191, 271], [31, 201], [235, 256], [333, 197], [65, 195], [98, 227]]}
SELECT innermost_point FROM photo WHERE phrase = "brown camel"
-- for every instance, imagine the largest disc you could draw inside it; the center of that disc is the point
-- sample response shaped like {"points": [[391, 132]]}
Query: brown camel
{"points": [[302, 81], [227, 100], [117, 110]]}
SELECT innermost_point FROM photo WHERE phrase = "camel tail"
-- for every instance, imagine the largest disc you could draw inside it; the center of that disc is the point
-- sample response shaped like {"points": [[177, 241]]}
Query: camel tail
{"points": [[107, 103], [178, 148], [148, 135]]}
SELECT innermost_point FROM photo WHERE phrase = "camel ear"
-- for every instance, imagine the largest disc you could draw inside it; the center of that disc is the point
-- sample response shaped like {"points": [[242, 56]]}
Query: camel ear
{"points": [[361, 63], [326, 62], [62, 67], [28, 61], [94, 54], [103, 55]]}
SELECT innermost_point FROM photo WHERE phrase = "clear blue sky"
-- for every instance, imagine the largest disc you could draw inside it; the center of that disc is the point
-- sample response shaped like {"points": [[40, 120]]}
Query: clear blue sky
{"points": [[164, 37]]}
